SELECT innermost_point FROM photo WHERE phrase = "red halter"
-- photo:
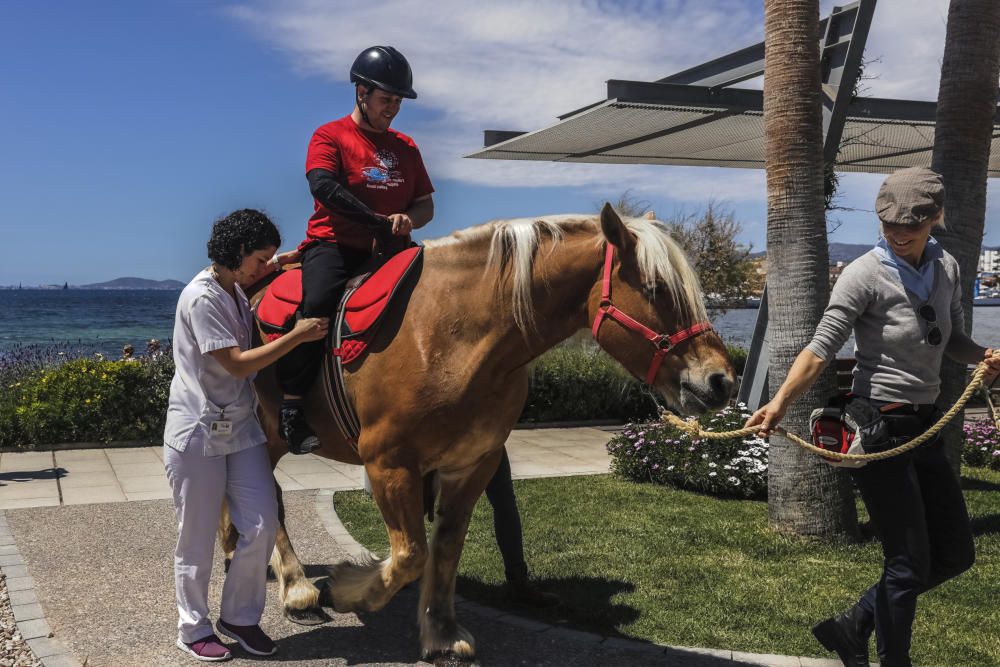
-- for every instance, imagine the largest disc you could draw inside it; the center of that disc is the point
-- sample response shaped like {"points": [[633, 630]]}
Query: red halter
{"points": [[662, 342]]}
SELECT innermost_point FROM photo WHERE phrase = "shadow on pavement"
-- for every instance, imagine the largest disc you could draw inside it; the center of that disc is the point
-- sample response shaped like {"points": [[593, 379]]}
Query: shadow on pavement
{"points": [[31, 475]]}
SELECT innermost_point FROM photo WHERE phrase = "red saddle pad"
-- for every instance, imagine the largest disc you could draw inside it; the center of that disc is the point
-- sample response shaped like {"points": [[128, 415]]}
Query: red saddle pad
{"points": [[365, 307]]}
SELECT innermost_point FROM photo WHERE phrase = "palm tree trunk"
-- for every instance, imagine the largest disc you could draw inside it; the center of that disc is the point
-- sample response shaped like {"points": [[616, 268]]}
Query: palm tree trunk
{"points": [[805, 496], [967, 103]]}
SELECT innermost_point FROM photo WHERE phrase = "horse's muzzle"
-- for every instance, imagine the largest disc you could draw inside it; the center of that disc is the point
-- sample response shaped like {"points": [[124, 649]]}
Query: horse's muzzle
{"points": [[712, 393]]}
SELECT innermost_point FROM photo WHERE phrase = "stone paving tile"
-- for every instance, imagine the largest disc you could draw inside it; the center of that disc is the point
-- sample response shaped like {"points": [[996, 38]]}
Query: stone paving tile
{"points": [[22, 597], [62, 660], [38, 627], [150, 495], [77, 455], [27, 612], [324, 480], [28, 502], [123, 470], [19, 461], [303, 466], [766, 659], [84, 466], [145, 483], [93, 494], [45, 647], [819, 662], [126, 456], [22, 583], [35, 489], [286, 482], [11, 559], [74, 479]]}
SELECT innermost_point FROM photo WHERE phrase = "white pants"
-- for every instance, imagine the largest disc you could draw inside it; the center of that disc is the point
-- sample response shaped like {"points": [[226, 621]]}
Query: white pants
{"points": [[199, 484]]}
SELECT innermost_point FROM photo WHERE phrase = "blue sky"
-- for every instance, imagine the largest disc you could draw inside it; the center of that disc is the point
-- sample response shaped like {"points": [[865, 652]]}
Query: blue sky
{"points": [[127, 127]]}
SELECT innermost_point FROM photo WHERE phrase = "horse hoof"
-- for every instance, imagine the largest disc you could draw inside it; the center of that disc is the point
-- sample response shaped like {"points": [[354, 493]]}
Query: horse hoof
{"points": [[449, 659], [326, 594], [311, 616]]}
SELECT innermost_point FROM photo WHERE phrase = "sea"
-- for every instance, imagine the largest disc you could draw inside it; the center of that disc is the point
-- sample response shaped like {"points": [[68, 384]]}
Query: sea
{"points": [[103, 321]]}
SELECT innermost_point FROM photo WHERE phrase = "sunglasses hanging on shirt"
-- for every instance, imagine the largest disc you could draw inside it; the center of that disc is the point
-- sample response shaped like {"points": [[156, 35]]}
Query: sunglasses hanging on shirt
{"points": [[929, 316]]}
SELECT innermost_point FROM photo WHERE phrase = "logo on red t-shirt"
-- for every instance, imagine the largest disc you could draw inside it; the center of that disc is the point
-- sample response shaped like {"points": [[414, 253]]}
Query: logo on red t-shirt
{"points": [[384, 174]]}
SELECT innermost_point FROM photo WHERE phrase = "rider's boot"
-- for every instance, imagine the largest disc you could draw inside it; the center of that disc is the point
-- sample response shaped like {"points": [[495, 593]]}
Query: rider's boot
{"points": [[295, 430]]}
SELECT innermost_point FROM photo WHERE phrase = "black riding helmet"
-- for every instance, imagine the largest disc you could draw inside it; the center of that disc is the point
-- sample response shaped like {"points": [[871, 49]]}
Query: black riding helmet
{"points": [[384, 67]]}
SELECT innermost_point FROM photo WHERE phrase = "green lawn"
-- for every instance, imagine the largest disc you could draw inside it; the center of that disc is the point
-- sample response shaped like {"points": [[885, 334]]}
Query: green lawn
{"points": [[649, 562]]}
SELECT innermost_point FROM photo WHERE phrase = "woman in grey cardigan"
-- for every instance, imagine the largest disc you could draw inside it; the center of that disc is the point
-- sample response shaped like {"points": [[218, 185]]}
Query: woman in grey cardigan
{"points": [[903, 301]]}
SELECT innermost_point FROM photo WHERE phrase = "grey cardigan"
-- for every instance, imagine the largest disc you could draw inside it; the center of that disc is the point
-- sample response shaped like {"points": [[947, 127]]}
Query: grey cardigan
{"points": [[895, 361]]}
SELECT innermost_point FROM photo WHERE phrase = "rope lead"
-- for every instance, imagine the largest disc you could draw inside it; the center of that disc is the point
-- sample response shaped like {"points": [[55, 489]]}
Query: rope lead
{"points": [[694, 429]]}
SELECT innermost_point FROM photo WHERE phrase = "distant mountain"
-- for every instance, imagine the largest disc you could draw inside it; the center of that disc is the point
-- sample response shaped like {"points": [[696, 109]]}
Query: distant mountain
{"points": [[135, 283], [839, 252]]}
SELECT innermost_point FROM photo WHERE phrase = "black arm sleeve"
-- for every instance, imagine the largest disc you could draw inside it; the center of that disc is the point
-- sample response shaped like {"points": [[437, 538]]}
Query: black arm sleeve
{"points": [[328, 191]]}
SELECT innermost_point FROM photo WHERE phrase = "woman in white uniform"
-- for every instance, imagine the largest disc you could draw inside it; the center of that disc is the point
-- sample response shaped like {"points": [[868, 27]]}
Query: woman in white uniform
{"points": [[214, 444]]}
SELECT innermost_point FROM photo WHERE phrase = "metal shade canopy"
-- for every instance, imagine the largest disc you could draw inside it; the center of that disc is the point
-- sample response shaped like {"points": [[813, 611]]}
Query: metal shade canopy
{"points": [[688, 125]]}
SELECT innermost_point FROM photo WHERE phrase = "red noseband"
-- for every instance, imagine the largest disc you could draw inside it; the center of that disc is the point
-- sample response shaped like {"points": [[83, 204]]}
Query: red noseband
{"points": [[662, 342]]}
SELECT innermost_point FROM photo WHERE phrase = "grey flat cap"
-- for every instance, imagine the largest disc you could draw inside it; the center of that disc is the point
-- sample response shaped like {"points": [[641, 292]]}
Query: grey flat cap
{"points": [[910, 197]]}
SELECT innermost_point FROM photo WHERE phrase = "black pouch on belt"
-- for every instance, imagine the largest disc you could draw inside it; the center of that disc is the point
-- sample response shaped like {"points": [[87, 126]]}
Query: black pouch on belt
{"points": [[872, 426]]}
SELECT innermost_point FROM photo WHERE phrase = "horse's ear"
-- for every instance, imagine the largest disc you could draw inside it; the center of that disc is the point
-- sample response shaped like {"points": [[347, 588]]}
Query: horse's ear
{"points": [[615, 230], [649, 215]]}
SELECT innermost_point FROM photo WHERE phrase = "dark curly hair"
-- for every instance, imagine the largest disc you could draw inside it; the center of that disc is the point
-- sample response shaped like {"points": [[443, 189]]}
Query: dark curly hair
{"points": [[238, 234]]}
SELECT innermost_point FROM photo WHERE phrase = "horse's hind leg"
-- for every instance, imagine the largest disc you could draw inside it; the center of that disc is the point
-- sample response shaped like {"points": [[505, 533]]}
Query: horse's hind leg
{"points": [[368, 586], [440, 633]]}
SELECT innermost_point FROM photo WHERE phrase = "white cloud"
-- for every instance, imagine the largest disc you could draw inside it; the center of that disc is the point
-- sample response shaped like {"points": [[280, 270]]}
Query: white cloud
{"points": [[519, 64]]}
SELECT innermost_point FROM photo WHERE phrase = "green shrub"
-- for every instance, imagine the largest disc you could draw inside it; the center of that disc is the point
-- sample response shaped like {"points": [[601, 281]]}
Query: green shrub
{"points": [[572, 383], [659, 453], [87, 400], [738, 356]]}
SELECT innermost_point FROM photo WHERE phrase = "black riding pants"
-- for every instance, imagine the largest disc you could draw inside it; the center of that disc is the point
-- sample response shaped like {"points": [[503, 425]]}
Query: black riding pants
{"points": [[326, 269], [916, 505], [507, 520]]}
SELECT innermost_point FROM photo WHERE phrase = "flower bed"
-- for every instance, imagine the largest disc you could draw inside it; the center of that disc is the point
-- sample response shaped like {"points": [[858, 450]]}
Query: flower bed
{"points": [[981, 444], [657, 452]]}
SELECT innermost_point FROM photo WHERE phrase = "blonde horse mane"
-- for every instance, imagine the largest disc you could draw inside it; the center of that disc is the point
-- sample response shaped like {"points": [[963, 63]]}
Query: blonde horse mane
{"points": [[514, 244]]}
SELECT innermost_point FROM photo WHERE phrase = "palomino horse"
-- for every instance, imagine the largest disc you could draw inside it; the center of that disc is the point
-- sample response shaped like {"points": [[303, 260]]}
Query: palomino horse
{"points": [[446, 378]]}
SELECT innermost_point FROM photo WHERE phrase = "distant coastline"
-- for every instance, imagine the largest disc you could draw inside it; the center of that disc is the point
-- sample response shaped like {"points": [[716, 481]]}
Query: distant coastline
{"points": [[128, 283]]}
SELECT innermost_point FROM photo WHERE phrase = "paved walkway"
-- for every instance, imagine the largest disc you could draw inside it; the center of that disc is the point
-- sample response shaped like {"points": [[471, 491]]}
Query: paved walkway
{"points": [[92, 584], [74, 477]]}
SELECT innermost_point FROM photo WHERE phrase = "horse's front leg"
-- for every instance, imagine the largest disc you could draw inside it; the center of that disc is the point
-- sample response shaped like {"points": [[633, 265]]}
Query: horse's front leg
{"points": [[440, 633], [299, 598], [368, 586]]}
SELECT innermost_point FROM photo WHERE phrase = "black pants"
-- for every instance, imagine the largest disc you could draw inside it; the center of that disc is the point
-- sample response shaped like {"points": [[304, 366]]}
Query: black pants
{"points": [[326, 269], [916, 504], [507, 521]]}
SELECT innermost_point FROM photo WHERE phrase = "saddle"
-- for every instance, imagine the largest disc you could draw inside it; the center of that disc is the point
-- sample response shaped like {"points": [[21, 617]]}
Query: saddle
{"points": [[362, 310]]}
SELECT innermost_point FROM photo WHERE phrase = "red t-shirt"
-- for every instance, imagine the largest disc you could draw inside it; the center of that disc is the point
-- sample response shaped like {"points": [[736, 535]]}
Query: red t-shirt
{"points": [[383, 170]]}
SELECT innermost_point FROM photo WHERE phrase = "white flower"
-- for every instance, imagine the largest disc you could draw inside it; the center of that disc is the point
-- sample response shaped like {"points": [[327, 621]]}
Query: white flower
{"points": [[712, 474], [670, 468], [712, 465]]}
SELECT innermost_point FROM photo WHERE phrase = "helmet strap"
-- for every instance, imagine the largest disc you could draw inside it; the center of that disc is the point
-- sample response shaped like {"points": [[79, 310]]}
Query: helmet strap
{"points": [[362, 102]]}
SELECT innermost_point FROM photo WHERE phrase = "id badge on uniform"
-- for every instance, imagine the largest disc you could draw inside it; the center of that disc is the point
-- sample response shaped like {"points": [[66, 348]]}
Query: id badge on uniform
{"points": [[222, 427]]}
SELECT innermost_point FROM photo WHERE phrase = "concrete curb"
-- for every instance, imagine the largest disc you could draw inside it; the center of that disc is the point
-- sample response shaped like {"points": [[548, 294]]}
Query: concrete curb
{"points": [[327, 511], [28, 613]]}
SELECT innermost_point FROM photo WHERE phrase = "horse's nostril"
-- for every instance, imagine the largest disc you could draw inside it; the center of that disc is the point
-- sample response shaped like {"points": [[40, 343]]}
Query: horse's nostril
{"points": [[721, 384]]}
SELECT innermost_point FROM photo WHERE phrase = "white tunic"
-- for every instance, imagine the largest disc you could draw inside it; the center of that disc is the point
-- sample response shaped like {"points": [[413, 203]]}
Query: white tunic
{"points": [[202, 391]]}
